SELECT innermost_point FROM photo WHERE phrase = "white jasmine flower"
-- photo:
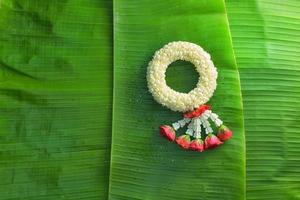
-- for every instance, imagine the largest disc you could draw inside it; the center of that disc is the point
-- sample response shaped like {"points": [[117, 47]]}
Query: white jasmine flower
{"points": [[170, 98], [176, 126]]}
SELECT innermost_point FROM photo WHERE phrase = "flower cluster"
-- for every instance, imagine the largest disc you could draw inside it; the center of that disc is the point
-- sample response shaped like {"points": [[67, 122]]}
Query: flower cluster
{"points": [[197, 112], [198, 120], [170, 98]]}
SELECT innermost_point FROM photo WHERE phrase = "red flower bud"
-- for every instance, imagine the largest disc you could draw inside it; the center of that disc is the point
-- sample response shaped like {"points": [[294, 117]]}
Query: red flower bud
{"points": [[211, 141], [184, 141], [168, 132], [197, 145], [224, 133], [197, 112]]}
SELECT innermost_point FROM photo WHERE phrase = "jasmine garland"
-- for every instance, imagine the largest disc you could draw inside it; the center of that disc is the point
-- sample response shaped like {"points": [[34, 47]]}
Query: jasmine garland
{"points": [[197, 116], [174, 100]]}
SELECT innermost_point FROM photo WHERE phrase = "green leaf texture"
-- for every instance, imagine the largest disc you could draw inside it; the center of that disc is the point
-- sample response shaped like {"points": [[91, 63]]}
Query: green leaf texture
{"points": [[266, 39], [55, 99], [143, 164]]}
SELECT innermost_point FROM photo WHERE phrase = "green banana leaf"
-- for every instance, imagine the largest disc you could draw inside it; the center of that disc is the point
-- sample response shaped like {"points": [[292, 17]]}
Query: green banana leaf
{"points": [[55, 99], [266, 40], [56, 64], [143, 164]]}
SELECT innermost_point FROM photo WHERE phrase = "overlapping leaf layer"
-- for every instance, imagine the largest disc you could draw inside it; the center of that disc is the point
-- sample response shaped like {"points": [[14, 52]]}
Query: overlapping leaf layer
{"points": [[55, 99], [266, 38], [144, 165], [56, 84]]}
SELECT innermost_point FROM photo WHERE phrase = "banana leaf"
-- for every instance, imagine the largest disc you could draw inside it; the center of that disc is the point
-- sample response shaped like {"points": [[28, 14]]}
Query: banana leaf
{"points": [[55, 99], [143, 164], [266, 40]]}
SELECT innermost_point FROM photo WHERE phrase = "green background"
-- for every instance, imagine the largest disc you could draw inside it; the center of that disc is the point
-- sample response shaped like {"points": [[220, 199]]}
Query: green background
{"points": [[77, 120]]}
